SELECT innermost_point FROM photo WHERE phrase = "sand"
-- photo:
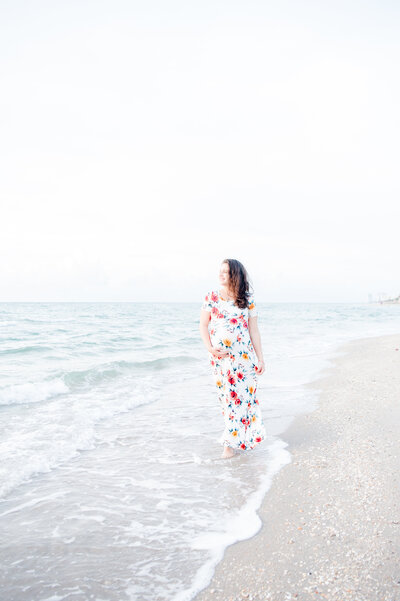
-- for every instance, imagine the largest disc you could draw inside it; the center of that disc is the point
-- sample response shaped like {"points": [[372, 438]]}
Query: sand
{"points": [[331, 519]]}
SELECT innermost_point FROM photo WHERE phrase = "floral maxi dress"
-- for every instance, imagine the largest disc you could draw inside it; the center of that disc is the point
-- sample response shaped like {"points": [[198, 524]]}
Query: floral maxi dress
{"points": [[235, 374]]}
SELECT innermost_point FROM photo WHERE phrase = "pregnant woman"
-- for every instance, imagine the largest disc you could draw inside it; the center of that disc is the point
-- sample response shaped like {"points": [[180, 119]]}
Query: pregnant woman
{"points": [[234, 346]]}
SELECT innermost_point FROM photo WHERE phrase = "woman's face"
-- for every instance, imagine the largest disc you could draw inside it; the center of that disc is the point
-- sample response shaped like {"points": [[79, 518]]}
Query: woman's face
{"points": [[224, 274]]}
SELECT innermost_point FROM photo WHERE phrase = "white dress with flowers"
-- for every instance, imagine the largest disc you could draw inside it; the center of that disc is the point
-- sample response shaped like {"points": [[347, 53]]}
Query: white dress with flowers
{"points": [[235, 374]]}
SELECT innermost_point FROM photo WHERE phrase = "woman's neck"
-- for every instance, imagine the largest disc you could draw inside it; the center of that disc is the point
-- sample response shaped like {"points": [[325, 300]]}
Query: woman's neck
{"points": [[227, 293]]}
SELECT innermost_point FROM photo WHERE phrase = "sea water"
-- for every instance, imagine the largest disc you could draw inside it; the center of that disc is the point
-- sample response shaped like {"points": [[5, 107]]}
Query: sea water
{"points": [[111, 482]]}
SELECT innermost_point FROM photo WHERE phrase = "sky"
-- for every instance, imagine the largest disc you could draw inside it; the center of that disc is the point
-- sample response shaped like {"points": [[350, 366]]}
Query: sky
{"points": [[142, 143]]}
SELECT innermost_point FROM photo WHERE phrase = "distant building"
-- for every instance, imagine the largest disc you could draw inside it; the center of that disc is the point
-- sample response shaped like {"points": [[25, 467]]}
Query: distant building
{"points": [[391, 301], [384, 298]]}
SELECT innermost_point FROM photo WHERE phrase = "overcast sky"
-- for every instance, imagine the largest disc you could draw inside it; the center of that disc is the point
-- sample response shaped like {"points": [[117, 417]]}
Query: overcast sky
{"points": [[144, 142]]}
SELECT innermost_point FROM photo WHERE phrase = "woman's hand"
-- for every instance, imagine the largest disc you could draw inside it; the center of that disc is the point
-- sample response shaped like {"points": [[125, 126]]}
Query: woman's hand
{"points": [[219, 353], [260, 367]]}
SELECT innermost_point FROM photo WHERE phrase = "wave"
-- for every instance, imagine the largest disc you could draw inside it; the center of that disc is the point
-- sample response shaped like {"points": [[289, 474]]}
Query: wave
{"points": [[108, 371], [60, 448], [32, 392], [125, 338], [60, 431], [25, 349]]}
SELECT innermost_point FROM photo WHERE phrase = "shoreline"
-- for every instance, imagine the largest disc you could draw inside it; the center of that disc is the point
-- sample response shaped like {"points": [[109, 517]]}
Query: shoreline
{"points": [[331, 517]]}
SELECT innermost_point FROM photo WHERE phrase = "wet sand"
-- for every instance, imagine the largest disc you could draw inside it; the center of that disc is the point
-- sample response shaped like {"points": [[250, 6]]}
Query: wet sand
{"points": [[331, 519]]}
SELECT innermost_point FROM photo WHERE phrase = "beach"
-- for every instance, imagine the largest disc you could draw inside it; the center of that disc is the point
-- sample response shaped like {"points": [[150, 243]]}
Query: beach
{"points": [[331, 519], [90, 390]]}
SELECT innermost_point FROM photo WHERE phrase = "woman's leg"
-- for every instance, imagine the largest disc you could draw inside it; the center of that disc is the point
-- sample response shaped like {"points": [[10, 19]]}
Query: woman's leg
{"points": [[227, 452]]}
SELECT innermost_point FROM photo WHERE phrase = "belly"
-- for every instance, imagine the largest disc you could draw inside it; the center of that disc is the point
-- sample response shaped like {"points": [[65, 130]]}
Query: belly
{"points": [[224, 338]]}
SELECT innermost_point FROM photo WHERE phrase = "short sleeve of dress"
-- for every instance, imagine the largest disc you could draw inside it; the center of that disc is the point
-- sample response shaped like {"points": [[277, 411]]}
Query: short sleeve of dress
{"points": [[207, 303], [253, 311]]}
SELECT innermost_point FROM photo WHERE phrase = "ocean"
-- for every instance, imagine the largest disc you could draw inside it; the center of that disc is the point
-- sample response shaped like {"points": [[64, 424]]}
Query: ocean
{"points": [[112, 487]]}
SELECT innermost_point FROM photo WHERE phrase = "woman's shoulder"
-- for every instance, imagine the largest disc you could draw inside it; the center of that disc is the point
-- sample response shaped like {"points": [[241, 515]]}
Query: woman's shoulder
{"points": [[210, 299], [253, 312], [212, 295]]}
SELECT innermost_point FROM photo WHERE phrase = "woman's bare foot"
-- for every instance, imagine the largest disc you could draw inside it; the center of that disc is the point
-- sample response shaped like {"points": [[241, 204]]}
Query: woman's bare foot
{"points": [[228, 452]]}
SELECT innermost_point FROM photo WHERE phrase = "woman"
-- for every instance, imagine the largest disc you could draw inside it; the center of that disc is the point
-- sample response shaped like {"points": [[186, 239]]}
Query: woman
{"points": [[231, 341]]}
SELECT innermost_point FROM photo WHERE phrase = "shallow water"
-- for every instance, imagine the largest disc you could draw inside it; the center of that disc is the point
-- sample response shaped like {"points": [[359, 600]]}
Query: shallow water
{"points": [[111, 482]]}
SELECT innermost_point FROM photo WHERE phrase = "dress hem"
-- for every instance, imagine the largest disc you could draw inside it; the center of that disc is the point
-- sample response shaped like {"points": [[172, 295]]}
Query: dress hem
{"points": [[248, 447]]}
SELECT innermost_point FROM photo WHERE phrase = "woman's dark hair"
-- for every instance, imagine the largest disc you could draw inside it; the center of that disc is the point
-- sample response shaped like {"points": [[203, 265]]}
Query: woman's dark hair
{"points": [[239, 282]]}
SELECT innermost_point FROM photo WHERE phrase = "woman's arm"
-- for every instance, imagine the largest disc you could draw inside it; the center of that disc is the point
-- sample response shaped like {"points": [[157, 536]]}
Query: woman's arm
{"points": [[205, 317], [255, 337]]}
